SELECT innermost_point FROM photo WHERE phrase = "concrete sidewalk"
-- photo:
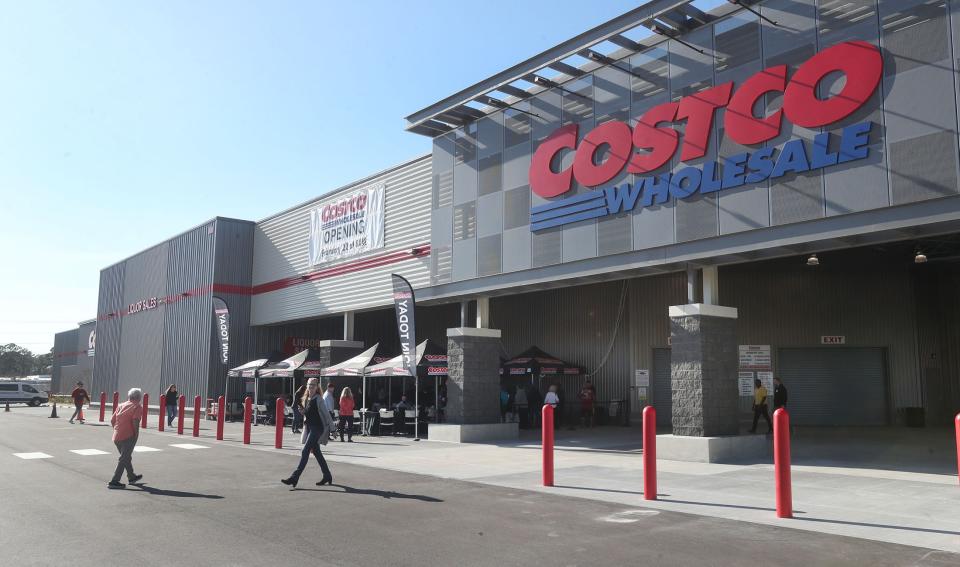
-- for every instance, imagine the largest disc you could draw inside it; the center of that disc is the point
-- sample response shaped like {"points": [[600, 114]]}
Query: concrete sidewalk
{"points": [[889, 485]]}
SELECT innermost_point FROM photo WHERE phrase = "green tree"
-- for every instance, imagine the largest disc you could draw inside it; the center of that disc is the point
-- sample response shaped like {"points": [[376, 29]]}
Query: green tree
{"points": [[15, 360], [42, 363]]}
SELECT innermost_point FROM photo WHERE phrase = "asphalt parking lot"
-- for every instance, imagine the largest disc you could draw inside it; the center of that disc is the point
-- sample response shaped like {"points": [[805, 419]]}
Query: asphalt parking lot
{"points": [[203, 502]]}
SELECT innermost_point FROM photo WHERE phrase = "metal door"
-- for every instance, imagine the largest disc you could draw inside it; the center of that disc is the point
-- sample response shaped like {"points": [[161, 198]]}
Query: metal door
{"points": [[662, 394], [835, 386]]}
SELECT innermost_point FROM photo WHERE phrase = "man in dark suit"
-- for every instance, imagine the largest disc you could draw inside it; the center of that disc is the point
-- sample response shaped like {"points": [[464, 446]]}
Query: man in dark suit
{"points": [[779, 394]]}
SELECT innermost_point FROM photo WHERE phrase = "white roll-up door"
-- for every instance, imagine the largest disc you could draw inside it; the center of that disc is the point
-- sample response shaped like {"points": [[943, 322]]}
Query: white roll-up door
{"points": [[662, 394], [834, 386]]}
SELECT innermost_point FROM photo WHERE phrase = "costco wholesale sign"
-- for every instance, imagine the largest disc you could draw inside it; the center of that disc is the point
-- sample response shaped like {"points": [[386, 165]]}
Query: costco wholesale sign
{"points": [[653, 141], [350, 225]]}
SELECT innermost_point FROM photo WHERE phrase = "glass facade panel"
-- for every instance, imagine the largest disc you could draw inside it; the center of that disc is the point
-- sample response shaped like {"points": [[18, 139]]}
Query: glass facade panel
{"points": [[516, 207], [465, 221], [488, 255]]}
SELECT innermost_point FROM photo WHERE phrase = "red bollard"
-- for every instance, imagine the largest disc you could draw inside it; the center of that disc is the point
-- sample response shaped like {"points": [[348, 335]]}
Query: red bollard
{"points": [[116, 401], [163, 412], [146, 405], [221, 411], [103, 404], [547, 442], [956, 422], [196, 416], [181, 405], [781, 462], [247, 413], [649, 453], [280, 419]]}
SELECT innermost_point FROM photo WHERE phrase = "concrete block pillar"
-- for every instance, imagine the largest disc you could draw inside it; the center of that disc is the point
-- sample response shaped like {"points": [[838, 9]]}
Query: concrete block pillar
{"points": [[704, 370], [473, 388]]}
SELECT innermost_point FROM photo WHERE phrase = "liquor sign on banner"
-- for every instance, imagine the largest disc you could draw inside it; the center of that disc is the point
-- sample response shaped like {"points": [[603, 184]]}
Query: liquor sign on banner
{"points": [[405, 302], [221, 317], [346, 226]]}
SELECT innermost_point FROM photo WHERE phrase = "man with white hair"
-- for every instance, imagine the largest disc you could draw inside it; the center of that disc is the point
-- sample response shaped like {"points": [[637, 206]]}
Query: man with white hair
{"points": [[126, 429]]}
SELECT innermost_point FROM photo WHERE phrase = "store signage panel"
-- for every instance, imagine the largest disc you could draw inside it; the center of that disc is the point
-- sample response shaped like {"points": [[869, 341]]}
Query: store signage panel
{"points": [[745, 383], [833, 340], [755, 357], [658, 141], [347, 226]]}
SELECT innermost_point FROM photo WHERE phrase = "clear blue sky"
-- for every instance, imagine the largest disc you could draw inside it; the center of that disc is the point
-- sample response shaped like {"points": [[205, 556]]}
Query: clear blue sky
{"points": [[123, 123]]}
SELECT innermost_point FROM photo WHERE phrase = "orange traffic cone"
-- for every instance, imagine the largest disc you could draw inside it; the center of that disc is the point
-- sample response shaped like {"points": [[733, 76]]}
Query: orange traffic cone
{"points": [[53, 412]]}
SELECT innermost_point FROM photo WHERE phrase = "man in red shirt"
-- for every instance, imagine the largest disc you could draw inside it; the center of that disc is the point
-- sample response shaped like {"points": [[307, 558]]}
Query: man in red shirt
{"points": [[79, 396], [126, 429]]}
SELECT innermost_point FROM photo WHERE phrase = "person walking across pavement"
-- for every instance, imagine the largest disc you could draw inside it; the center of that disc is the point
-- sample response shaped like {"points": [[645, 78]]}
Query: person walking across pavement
{"points": [[126, 430], [172, 400], [760, 406], [346, 414], [79, 396], [298, 409], [319, 425], [779, 394]]}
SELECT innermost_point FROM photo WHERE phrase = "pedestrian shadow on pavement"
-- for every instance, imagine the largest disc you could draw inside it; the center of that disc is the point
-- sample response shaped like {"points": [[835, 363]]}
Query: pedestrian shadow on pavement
{"points": [[887, 526], [175, 493], [388, 494]]}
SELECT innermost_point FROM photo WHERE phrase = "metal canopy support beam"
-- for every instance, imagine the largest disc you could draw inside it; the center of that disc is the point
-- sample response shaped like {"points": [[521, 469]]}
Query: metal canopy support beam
{"points": [[565, 68], [483, 312], [514, 91], [348, 325], [604, 31]]}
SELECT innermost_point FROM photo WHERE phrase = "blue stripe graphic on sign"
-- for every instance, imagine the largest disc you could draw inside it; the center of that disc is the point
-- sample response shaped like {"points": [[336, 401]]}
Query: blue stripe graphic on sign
{"points": [[567, 219], [545, 215], [566, 202]]}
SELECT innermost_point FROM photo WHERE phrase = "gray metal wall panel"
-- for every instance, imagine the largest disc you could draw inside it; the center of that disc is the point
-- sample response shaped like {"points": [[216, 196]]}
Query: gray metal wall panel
{"points": [[233, 266], [786, 304], [188, 319], [110, 307], [140, 364], [661, 386], [281, 244], [64, 356]]}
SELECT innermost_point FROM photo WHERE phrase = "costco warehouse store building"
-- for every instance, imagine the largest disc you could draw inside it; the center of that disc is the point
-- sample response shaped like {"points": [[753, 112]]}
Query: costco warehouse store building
{"points": [[768, 189]]}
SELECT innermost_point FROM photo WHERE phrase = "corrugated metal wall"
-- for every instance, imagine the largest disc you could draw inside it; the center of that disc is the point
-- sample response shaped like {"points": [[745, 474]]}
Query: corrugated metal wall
{"points": [[938, 308], [233, 265], [109, 306], [141, 338], [281, 247], [64, 355], [784, 303], [189, 320]]}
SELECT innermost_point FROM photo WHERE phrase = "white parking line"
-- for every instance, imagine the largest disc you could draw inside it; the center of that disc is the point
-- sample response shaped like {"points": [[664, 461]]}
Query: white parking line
{"points": [[189, 446], [144, 449], [29, 456], [89, 452]]}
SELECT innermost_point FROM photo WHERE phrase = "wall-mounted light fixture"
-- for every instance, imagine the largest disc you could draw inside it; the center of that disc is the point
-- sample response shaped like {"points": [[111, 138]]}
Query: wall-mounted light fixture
{"points": [[919, 257], [813, 260]]}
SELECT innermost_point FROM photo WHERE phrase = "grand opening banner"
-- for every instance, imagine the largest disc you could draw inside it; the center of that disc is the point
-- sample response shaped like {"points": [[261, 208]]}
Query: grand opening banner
{"points": [[350, 225]]}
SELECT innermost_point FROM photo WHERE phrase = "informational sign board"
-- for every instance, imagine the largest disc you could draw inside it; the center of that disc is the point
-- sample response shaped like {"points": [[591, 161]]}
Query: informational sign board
{"points": [[755, 357], [766, 378], [833, 340], [346, 226], [641, 378], [642, 393], [745, 383]]}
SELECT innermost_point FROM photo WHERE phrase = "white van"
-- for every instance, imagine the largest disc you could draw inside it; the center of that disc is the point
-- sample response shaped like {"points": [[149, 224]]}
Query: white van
{"points": [[21, 393]]}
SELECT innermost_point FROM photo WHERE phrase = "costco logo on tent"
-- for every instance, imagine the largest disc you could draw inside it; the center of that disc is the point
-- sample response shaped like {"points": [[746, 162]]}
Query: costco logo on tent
{"points": [[654, 141]]}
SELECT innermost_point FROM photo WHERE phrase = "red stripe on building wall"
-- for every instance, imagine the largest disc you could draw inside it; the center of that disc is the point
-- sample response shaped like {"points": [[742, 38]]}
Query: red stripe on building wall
{"points": [[348, 268]]}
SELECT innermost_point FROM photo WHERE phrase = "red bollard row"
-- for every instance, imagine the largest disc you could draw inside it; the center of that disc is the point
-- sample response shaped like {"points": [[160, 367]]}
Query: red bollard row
{"points": [[196, 416], [278, 443], [116, 401], [547, 440], [781, 462], [146, 407], [649, 453], [103, 404], [163, 412], [221, 412], [247, 413], [956, 422], [181, 405]]}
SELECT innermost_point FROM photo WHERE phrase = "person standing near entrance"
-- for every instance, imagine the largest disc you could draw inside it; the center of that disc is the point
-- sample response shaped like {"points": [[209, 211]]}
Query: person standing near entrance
{"points": [[298, 409], [760, 406], [346, 414], [588, 395], [172, 399], [330, 401], [79, 397], [319, 426], [553, 400], [126, 430], [779, 394]]}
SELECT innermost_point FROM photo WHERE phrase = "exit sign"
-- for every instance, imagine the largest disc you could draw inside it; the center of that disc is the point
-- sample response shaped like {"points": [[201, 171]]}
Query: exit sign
{"points": [[833, 340]]}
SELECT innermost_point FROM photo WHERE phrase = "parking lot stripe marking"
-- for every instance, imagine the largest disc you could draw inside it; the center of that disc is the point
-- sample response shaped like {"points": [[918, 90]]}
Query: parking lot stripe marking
{"points": [[144, 449], [188, 446], [89, 452], [29, 456]]}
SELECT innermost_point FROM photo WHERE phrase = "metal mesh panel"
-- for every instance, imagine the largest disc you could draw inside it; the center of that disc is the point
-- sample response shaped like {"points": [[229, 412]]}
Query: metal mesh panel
{"points": [[465, 221], [915, 36], [488, 255], [737, 41], [796, 197], [491, 168], [547, 247], [614, 234], [923, 168], [697, 218], [516, 207], [651, 71], [442, 171]]}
